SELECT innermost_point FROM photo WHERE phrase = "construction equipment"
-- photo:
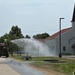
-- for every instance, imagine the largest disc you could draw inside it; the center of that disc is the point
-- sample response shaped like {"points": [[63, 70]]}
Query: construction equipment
{"points": [[4, 50]]}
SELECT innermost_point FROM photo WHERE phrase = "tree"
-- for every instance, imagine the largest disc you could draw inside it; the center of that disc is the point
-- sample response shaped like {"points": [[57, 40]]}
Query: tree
{"points": [[45, 35], [15, 33], [5, 36], [41, 36], [27, 36], [13, 48]]}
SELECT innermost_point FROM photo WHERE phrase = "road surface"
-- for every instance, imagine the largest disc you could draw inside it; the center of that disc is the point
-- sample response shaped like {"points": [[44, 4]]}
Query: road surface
{"points": [[11, 67], [5, 69]]}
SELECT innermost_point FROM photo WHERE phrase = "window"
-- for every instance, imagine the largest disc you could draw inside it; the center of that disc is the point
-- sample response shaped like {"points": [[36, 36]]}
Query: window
{"points": [[64, 48]]}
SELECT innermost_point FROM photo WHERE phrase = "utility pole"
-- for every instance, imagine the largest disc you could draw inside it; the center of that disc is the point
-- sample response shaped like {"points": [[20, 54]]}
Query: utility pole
{"points": [[60, 54]]}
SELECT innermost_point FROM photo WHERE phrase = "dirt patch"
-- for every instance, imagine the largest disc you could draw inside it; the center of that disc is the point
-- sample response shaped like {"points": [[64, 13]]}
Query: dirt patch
{"points": [[48, 71]]}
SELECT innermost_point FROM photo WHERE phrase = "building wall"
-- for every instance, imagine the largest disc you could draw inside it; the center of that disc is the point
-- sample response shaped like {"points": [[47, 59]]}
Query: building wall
{"points": [[51, 43], [64, 42], [67, 40], [73, 25]]}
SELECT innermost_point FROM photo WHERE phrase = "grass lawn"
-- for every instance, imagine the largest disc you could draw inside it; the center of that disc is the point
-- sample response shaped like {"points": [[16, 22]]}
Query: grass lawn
{"points": [[66, 66]]}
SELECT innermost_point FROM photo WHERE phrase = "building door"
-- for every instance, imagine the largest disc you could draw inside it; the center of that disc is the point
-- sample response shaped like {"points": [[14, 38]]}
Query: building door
{"points": [[73, 46]]}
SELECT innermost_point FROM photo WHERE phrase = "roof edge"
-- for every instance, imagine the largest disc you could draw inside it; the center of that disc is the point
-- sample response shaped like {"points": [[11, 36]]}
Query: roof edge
{"points": [[57, 33]]}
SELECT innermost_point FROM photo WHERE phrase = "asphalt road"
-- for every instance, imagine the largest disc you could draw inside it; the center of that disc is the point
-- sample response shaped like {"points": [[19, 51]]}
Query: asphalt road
{"points": [[11, 67], [5, 69]]}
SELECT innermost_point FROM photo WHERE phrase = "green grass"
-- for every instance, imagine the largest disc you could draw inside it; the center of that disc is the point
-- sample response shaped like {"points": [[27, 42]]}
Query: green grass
{"points": [[66, 66], [17, 57]]}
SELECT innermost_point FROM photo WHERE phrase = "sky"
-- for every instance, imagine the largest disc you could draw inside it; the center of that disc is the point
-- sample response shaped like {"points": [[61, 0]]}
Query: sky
{"points": [[35, 16]]}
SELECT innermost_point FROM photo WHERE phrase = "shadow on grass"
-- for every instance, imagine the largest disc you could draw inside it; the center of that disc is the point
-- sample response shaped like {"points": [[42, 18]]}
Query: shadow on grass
{"points": [[55, 61]]}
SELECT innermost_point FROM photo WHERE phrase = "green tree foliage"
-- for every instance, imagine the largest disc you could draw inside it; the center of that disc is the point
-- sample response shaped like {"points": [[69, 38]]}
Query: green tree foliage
{"points": [[13, 48], [5, 36], [27, 36], [15, 33], [41, 36]]}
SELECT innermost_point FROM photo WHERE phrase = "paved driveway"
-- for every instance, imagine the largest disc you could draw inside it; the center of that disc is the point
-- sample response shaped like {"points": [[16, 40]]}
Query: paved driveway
{"points": [[11, 67], [5, 69]]}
